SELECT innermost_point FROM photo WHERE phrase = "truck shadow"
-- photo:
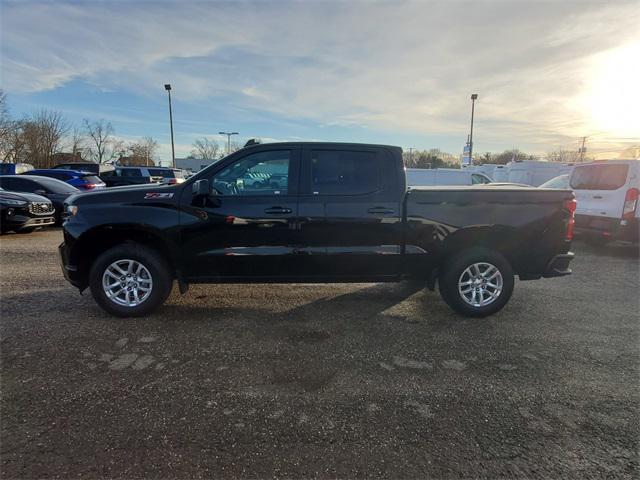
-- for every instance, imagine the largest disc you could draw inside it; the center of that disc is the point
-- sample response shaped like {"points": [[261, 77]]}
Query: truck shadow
{"points": [[616, 250]]}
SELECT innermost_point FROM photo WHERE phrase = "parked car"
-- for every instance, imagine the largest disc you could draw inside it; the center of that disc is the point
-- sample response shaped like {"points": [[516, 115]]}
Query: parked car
{"points": [[55, 190], [96, 168], [345, 215], [24, 212], [85, 181], [139, 175], [423, 177], [169, 176], [561, 181], [607, 195], [14, 168], [125, 176]]}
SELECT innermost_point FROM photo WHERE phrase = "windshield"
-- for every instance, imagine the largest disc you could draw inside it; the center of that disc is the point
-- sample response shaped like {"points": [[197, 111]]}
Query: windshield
{"points": [[558, 182]]}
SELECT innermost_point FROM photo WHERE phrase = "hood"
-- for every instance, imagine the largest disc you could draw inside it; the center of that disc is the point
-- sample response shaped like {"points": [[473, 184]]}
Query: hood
{"points": [[25, 197], [126, 193]]}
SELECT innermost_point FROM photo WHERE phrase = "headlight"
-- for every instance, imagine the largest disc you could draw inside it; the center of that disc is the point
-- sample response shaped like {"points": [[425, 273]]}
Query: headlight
{"points": [[15, 203], [72, 210]]}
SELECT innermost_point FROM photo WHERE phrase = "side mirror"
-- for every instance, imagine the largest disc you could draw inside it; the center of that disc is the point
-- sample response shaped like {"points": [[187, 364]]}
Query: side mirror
{"points": [[201, 188]]}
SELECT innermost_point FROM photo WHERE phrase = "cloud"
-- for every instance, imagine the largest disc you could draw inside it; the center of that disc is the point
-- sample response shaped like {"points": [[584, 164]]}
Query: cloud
{"points": [[393, 66]]}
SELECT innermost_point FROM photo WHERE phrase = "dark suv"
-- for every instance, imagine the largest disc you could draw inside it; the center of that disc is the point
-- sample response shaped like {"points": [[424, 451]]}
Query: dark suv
{"points": [[24, 212]]}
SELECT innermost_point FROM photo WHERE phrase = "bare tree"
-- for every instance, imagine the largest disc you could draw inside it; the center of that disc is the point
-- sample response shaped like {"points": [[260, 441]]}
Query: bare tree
{"points": [[562, 155], [205, 149], [142, 152], [100, 137], [77, 142], [43, 134], [12, 144], [5, 120]]}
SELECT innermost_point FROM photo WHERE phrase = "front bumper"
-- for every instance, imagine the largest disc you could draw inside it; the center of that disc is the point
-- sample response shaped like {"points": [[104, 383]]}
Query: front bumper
{"points": [[69, 271], [23, 222], [559, 265]]}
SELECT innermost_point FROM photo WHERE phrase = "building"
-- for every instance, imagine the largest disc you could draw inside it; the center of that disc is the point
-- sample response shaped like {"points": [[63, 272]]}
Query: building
{"points": [[193, 165]]}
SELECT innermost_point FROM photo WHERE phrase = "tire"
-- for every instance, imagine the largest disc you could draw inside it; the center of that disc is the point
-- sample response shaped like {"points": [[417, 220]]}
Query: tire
{"points": [[155, 278], [459, 270]]}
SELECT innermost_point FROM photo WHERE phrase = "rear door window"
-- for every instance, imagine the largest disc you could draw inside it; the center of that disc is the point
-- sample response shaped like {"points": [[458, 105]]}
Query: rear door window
{"points": [[130, 172], [344, 172], [599, 177]]}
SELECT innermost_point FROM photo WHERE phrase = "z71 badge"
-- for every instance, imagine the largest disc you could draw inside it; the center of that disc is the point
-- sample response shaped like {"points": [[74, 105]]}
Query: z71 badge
{"points": [[154, 195]]}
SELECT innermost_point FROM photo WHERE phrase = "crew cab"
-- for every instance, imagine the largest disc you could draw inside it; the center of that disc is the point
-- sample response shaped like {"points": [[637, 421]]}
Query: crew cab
{"points": [[334, 212]]}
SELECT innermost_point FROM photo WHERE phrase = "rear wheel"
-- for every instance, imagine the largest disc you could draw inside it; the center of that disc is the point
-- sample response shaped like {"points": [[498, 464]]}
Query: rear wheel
{"points": [[130, 280], [477, 282]]}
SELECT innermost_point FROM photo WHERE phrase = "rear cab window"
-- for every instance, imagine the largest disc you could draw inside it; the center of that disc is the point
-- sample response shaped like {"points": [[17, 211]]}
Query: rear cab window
{"points": [[599, 177]]}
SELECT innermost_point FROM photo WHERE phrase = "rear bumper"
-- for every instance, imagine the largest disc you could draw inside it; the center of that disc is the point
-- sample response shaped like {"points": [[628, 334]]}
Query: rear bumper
{"points": [[608, 228], [559, 265]]}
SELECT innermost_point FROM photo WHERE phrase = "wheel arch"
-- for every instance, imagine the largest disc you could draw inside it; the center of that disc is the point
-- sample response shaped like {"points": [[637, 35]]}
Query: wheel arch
{"points": [[100, 239], [503, 240]]}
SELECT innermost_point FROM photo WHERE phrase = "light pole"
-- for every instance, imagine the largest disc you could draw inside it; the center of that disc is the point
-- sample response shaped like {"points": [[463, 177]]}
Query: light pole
{"points": [[474, 97], [228, 134], [167, 87]]}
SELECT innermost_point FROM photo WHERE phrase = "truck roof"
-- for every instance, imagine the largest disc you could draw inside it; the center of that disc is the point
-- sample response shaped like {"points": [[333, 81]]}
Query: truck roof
{"points": [[332, 144]]}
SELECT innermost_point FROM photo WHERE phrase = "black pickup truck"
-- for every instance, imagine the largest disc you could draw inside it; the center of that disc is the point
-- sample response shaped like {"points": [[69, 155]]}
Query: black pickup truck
{"points": [[313, 212]]}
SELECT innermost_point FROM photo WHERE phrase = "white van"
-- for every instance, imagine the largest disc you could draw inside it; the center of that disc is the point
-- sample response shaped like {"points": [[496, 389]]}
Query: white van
{"points": [[422, 177], [607, 196], [534, 172]]}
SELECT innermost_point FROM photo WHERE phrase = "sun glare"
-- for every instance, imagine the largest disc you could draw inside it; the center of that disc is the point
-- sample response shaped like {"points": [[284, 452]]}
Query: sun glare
{"points": [[614, 94]]}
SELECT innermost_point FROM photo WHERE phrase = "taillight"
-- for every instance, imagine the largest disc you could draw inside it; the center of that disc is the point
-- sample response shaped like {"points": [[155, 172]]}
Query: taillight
{"points": [[570, 206], [630, 204], [89, 186], [172, 181]]}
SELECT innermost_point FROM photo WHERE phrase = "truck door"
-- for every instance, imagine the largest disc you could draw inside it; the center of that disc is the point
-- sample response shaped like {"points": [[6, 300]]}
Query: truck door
{"points": [[350, 209], [249, 228]]}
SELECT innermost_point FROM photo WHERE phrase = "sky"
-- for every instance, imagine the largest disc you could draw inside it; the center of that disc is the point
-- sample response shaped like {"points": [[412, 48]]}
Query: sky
{"points": [[547, 73]]}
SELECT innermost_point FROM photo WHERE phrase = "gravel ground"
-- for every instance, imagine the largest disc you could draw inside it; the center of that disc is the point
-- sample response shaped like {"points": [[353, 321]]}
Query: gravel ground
{"points": [[320, 380]]}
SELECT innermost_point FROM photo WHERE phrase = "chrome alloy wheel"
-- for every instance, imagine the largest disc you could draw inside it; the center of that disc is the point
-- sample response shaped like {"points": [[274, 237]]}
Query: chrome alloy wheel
{"points": [[127, 283], [480, 284]]}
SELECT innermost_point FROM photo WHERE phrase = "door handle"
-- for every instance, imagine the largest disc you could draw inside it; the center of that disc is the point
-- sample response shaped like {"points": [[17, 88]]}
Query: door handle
{"points": [[277, 210], [597, 197], [380, 211]]}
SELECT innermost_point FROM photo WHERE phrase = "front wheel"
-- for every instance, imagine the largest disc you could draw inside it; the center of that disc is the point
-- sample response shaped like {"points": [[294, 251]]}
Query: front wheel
{"points": [[130, 280], [477, 282]]}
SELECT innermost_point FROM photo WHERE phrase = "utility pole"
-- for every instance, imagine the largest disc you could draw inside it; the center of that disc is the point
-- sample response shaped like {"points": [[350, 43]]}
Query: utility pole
{"points": [[583, 150], [167, 87], [474, 97], [228, 134], [410, 156]]}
